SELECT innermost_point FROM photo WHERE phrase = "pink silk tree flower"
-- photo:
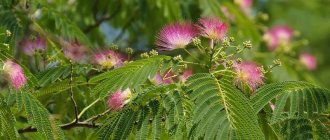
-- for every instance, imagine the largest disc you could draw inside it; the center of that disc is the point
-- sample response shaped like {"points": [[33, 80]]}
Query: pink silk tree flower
{"points": [[308, 60], [109, 59], [40, 43], [278, 35], [176, 35], [158, 79], [74, 51], [245, 5], [30, 47], [248, 73], [212, 28], [119, 99], [15, 74], [185, 75]]}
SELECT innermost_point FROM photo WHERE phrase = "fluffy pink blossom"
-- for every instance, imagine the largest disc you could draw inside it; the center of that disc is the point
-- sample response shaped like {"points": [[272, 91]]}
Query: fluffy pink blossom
{"points": [[185, 75], [158, 79], [74, 51], [278, 35], [245, 5], [176, 35], [248, 73], [109, 59], [308, 60], [119, 99], [212, 28], [30, 47], [15, 74]]}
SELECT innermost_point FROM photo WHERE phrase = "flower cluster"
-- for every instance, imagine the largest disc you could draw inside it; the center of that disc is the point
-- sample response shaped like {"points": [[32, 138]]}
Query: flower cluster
{"points": [[119, 99], [15, 74], [31, 46], [178, 35]]}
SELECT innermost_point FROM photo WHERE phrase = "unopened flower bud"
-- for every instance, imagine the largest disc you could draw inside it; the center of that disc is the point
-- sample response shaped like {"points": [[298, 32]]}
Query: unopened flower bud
{"points": [[8, 33], [225, 42], [196, 41], [277, 62], [247, 44], [145, 55], [6, 45], [178, 58], [263, 69], [229, 63], [231, 39], [114, 47], [153, 53], [129, 50], [238, 49], [239, 60]]}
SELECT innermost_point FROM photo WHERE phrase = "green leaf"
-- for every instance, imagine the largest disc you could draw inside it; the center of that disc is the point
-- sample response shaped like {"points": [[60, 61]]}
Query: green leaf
{"points": [[52, 74], [215, 100], [7, 122], [130, 75], [294, 99], [40, 118]]}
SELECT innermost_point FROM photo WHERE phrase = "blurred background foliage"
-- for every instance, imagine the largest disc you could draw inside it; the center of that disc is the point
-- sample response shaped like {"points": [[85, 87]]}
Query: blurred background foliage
{"points": [[135, 23]]}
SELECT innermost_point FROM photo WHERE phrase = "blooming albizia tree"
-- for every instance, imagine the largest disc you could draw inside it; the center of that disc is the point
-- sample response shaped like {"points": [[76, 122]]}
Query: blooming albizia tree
{"points": [[176, 35], [15, 74]]}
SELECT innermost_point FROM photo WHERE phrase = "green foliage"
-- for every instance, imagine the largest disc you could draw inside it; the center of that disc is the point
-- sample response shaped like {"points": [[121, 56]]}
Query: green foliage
{"points": [[131, 75], [7, 121], [40, 118], [164, 110], [293, 100], [218, 101]]}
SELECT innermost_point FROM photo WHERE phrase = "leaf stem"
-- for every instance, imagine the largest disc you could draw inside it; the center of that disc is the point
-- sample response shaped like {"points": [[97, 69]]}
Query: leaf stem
{"points": [[86, 108], [189, 53], [71, 93]]}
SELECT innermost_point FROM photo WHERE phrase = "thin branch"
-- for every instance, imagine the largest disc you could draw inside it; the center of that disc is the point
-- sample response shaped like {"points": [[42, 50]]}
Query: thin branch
{"points": [[71, 94], [89, 106], [105, 18], [64, 126], [88, 123], [94, 118]]}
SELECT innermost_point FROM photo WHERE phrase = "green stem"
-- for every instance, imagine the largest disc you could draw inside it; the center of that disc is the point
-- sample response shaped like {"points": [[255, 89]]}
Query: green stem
{"points": [[189, 53], [87, 107]]}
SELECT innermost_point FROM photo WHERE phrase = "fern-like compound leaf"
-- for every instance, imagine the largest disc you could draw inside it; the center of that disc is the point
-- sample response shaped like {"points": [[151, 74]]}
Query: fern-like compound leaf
{"points": [[221, 111]]}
